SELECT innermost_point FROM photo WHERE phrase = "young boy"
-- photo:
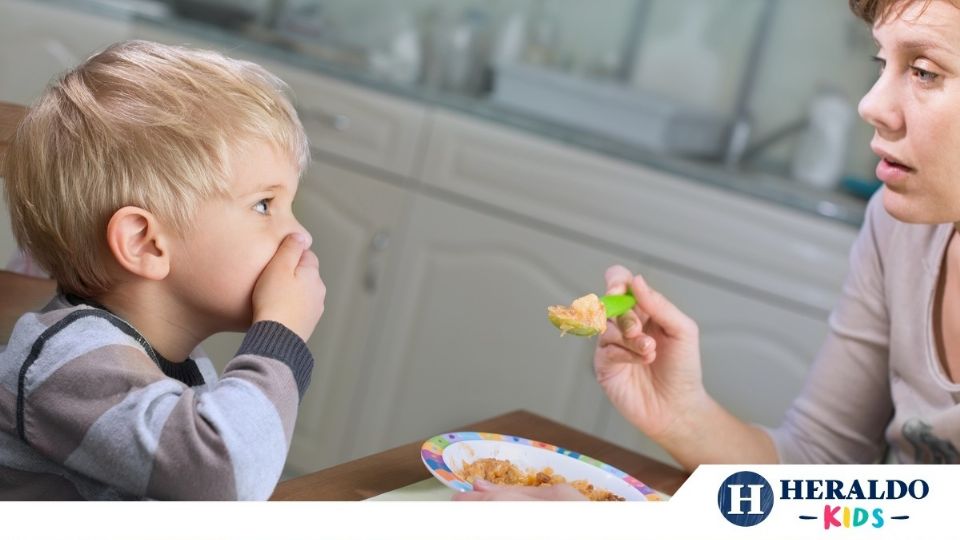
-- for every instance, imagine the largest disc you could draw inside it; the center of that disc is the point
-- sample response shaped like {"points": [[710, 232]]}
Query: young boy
{"points": [[155, 184]]}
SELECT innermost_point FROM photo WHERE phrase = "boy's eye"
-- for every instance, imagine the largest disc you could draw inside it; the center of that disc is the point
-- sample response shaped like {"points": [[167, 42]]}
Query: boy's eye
{"points": [[262, 206]]}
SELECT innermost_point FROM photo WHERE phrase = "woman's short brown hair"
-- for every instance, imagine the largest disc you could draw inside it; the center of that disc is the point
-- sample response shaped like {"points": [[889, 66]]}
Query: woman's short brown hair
{"points": [[138, 124], [874, 11]]}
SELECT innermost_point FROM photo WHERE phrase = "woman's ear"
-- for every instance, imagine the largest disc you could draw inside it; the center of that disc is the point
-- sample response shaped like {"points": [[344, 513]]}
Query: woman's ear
{"points": [[138, 243]]}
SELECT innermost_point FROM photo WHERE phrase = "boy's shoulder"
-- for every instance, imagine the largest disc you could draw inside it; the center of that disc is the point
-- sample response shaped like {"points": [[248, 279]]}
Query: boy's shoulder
{"points": [[62, 318], [64, 331]]}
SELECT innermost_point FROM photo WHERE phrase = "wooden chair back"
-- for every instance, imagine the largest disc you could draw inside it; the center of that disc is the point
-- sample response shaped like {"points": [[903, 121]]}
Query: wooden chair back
{"points": [[10, 116]]}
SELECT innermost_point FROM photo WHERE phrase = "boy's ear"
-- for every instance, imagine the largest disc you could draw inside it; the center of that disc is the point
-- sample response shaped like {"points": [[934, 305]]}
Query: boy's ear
{"points": [[138, 243]]}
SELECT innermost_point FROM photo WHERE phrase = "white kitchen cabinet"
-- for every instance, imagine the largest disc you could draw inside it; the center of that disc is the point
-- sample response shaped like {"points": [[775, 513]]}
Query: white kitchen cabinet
{"points": [[40, 40], [353, 220], [360, 125], [754, 246], [466, 334]]}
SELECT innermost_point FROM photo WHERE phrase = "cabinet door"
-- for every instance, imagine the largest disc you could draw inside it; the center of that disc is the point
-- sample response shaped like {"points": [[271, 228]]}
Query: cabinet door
{"points": [[352, 219], [465, 334]]}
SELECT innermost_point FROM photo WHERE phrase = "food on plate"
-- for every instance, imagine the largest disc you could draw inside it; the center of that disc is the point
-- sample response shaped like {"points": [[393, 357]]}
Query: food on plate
{"points": [[501, 471], [586, 316]]}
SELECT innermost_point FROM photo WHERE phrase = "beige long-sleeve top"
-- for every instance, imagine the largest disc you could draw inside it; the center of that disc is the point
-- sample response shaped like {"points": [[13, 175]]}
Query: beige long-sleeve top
{"points": [[877, 382]]}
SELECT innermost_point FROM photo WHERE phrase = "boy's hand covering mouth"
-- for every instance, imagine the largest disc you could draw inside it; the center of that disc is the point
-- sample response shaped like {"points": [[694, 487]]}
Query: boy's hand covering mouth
{"points": [[289, 290]]}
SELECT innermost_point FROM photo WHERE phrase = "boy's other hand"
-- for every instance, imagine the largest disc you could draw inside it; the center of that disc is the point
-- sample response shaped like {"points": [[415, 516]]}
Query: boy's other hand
{"points": [[289, 290]]}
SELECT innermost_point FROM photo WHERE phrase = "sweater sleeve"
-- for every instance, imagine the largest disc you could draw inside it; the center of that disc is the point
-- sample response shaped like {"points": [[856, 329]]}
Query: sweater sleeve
{"points": [[845, 405], [95, 402]]}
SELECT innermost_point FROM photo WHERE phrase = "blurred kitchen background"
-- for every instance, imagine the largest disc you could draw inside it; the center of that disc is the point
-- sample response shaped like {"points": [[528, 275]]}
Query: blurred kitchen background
{"points": [[475, 161]]}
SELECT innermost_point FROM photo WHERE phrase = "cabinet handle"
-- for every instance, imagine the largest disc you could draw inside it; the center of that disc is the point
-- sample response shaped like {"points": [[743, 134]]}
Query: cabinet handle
{"points": [[336, 121], [371, 274]]}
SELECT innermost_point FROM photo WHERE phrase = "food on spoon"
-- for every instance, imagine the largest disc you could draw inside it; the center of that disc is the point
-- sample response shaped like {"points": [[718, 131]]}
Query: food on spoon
{"points": [[503, 472], [586, 316]]}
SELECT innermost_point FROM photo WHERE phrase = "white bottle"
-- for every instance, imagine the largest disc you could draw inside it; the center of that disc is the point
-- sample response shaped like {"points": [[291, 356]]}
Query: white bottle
{"points": [[822, 151], [400, 60], [511, 41]]}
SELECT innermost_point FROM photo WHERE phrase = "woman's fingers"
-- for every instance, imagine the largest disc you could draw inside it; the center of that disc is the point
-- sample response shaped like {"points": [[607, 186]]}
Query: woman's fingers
{"points": [[640, 348], [630, 325], [618, 278], [653, 314], [671, 321]]}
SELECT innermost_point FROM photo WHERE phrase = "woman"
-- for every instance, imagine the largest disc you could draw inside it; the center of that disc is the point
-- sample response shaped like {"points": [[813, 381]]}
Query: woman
{"points": [[887, 379]]}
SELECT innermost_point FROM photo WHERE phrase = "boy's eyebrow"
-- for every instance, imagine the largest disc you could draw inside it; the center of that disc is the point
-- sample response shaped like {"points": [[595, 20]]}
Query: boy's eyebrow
{"points": [[264, 187]]}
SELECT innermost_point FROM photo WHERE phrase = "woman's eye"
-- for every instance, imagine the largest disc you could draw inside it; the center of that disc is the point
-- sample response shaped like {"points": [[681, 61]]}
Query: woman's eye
{"points": [[262, 207], [924, 75]]}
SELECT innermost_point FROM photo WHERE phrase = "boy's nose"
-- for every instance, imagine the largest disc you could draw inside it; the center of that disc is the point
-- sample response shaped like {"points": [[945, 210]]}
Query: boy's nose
{"points": [[298, 228]]}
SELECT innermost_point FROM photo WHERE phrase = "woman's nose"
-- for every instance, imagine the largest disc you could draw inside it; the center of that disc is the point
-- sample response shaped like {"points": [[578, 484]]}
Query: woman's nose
{"points": [[881, 108]]}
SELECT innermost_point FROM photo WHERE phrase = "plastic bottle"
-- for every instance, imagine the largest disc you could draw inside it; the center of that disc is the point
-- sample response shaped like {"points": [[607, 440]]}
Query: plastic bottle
{"points": [[511, 41], [822, 151]]}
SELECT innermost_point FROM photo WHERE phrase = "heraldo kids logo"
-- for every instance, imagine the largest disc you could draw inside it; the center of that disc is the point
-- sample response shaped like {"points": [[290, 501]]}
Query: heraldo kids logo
{"points": [[746, 499]]}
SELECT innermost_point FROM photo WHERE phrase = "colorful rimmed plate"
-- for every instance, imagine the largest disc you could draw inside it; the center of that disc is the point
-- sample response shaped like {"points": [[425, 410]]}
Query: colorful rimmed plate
{"points": [[444, 456]]}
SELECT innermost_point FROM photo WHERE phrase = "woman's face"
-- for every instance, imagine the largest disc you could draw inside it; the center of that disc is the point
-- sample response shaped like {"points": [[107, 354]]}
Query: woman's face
{"points": [[915, 109]]}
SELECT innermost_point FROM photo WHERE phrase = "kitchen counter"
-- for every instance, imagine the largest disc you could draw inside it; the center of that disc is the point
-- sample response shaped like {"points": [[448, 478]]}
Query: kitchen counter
{"points": [[327, 61]]}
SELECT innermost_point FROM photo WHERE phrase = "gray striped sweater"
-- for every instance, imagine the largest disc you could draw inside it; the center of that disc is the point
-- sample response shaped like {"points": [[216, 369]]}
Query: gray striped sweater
{"points": [[88, 410]]}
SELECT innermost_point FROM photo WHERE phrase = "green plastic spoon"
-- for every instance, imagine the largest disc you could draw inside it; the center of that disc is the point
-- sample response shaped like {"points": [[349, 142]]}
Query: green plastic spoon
{"points": [[618, 304]]}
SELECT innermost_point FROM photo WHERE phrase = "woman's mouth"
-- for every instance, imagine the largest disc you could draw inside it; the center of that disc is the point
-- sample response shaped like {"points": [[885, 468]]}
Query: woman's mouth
{"points": [[891, 172]]}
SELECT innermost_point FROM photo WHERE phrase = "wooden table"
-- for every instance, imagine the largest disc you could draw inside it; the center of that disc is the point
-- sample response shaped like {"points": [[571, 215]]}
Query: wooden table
{"points": [[392, 469]]}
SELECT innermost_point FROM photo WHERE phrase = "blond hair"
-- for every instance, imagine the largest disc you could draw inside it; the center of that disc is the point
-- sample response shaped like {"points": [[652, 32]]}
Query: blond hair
{"points": [[138, 124]]}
